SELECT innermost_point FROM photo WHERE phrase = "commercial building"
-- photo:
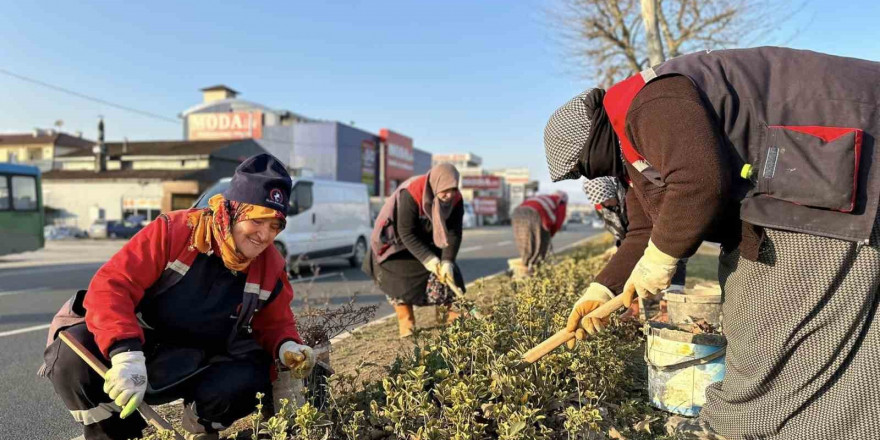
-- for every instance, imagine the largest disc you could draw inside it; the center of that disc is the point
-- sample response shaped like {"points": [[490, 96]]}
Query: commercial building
{"points": [[396, 159], [518, 186], [336, 151], [223, 116], [482, 190], [323, 149], [137, 178], [422, 161], [494, 194], [467, 163], [40, 147]]}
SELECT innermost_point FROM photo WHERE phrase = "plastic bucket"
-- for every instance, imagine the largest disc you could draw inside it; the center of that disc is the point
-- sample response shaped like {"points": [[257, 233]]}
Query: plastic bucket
{"points": [[688, 308], [680, 367], [296, 390], [518, 270]]}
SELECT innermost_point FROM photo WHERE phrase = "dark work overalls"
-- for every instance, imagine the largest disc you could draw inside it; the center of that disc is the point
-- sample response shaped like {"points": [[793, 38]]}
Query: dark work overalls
{"points": [[198, 347]]}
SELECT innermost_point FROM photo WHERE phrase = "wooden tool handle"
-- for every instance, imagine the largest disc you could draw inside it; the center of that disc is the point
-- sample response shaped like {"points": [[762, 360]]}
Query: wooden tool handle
{"points": [[148, 413], [563, 336], [455, 290]]}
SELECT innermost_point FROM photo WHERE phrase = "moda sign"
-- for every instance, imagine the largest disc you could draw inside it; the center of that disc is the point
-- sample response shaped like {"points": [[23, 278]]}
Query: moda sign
{"points": [[230, 125]]}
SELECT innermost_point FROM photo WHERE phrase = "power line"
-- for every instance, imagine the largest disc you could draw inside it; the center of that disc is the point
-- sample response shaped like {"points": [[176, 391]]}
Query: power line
{"points": [[89, 98]]}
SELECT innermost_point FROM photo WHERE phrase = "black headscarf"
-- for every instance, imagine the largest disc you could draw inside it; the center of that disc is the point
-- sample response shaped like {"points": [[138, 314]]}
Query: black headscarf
{"points": [[601, 157]]}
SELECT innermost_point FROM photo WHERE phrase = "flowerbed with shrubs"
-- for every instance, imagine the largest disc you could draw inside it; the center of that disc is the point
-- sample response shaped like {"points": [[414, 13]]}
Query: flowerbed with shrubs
{"points": [[466, 381]]}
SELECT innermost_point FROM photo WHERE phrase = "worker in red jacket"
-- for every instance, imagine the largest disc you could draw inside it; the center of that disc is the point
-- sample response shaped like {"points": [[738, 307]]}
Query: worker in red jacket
{"points": [[535, 222], [196, 306]]}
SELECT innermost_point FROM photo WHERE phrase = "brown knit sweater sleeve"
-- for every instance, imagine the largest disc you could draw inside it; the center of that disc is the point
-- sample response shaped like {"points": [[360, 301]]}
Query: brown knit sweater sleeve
{"points": [[615, 274], [671, 127]]}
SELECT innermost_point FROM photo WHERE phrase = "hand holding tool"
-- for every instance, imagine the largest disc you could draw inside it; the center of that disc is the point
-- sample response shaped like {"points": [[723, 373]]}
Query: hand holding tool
{"points": [[563, 336], [652, 274], [299, 358], [148, 413]]}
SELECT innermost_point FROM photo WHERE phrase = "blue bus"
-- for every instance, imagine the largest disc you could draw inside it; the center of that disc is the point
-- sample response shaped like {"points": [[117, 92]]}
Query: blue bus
{"points": [[21, 209]]}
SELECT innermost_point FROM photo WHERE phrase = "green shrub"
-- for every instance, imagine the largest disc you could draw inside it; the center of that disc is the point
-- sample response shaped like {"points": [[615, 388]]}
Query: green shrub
{"points": [[466, 382]]}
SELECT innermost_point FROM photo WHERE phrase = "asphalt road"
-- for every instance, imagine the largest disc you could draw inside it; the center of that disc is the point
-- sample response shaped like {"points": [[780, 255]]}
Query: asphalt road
{"points": [[30, 296]]}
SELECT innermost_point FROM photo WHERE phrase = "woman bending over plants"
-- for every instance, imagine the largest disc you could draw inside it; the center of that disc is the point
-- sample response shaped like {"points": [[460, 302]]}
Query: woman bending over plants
{"points": [[415, 243]]}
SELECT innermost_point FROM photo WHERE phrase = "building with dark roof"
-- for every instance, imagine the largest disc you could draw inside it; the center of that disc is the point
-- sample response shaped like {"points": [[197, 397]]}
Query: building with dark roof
{"points": [[40, 147], [140, 178]]}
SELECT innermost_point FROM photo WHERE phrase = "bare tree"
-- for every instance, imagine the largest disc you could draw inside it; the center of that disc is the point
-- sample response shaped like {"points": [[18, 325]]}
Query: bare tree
{"points": [[606, 39]]}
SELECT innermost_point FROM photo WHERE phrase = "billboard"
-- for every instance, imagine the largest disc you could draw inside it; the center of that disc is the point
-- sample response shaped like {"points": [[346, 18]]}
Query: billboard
{"points": [[481, 182], [485, 205], [228, 125], [368, 165]]}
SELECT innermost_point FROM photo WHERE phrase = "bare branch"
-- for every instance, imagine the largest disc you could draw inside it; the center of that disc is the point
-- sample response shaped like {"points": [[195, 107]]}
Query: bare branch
{"points": [[608, 36]]}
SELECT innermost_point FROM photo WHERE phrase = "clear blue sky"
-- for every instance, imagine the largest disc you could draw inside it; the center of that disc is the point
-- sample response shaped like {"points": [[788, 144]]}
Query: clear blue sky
{"points": [[457, 76]]}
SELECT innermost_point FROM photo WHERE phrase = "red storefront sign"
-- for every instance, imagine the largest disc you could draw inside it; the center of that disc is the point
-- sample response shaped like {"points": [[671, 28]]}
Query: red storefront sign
{"points": [[485, 205], [481, 182], [399, 158], [230, 125]]}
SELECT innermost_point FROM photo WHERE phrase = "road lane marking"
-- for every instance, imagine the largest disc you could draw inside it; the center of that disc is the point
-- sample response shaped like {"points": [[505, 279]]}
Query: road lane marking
{"points": [[48, 269], [16, 292], [504, 243], [577, 243], [24, 330], [470, 249]]}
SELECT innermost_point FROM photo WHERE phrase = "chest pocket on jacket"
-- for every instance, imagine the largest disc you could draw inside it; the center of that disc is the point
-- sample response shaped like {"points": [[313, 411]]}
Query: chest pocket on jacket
{"points": [[810, 165]]}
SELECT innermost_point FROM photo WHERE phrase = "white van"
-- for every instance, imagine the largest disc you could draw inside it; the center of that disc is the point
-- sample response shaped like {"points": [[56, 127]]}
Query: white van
{"points": [[470, 219], [326, 220]]}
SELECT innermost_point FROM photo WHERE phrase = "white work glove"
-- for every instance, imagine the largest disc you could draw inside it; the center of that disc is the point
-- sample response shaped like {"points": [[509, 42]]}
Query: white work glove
{"points": [[578, 323], [652, 274], [299, 358], [433, 266], [126, 380], [446, 272]]}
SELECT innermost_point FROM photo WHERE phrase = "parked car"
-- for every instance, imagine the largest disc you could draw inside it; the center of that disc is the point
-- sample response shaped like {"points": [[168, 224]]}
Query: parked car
{"points": [[52, 232], [114, 229], [470, 219], [575, 217], [122, 229], [327, 220], [98, 229]]}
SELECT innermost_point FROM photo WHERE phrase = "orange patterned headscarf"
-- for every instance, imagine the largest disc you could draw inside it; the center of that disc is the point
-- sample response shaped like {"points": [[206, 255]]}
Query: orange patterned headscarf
{"points": [[214, 224]]}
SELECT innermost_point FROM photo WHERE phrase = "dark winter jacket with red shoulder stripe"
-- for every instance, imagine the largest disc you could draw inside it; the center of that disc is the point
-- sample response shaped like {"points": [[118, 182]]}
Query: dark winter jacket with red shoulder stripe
{"points": [[156, 260], [803, 122], [551, 208]]}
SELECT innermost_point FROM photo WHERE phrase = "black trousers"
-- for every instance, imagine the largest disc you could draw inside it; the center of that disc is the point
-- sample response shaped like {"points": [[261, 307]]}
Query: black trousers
{"points": [[213, 399]]}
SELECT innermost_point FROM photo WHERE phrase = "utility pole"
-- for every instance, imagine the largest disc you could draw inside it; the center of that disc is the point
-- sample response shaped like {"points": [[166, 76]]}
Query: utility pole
{"points": [[100, 149], [652, 32], [382, 147]]}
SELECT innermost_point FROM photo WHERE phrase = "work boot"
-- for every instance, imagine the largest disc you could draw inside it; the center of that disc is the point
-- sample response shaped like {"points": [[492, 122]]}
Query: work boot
{"points": [[406, 321], [451, 315]]}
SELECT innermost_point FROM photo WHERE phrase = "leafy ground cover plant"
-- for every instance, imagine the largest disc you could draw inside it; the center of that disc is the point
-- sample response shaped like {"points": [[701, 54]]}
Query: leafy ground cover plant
{"points": [[465, 381]]}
